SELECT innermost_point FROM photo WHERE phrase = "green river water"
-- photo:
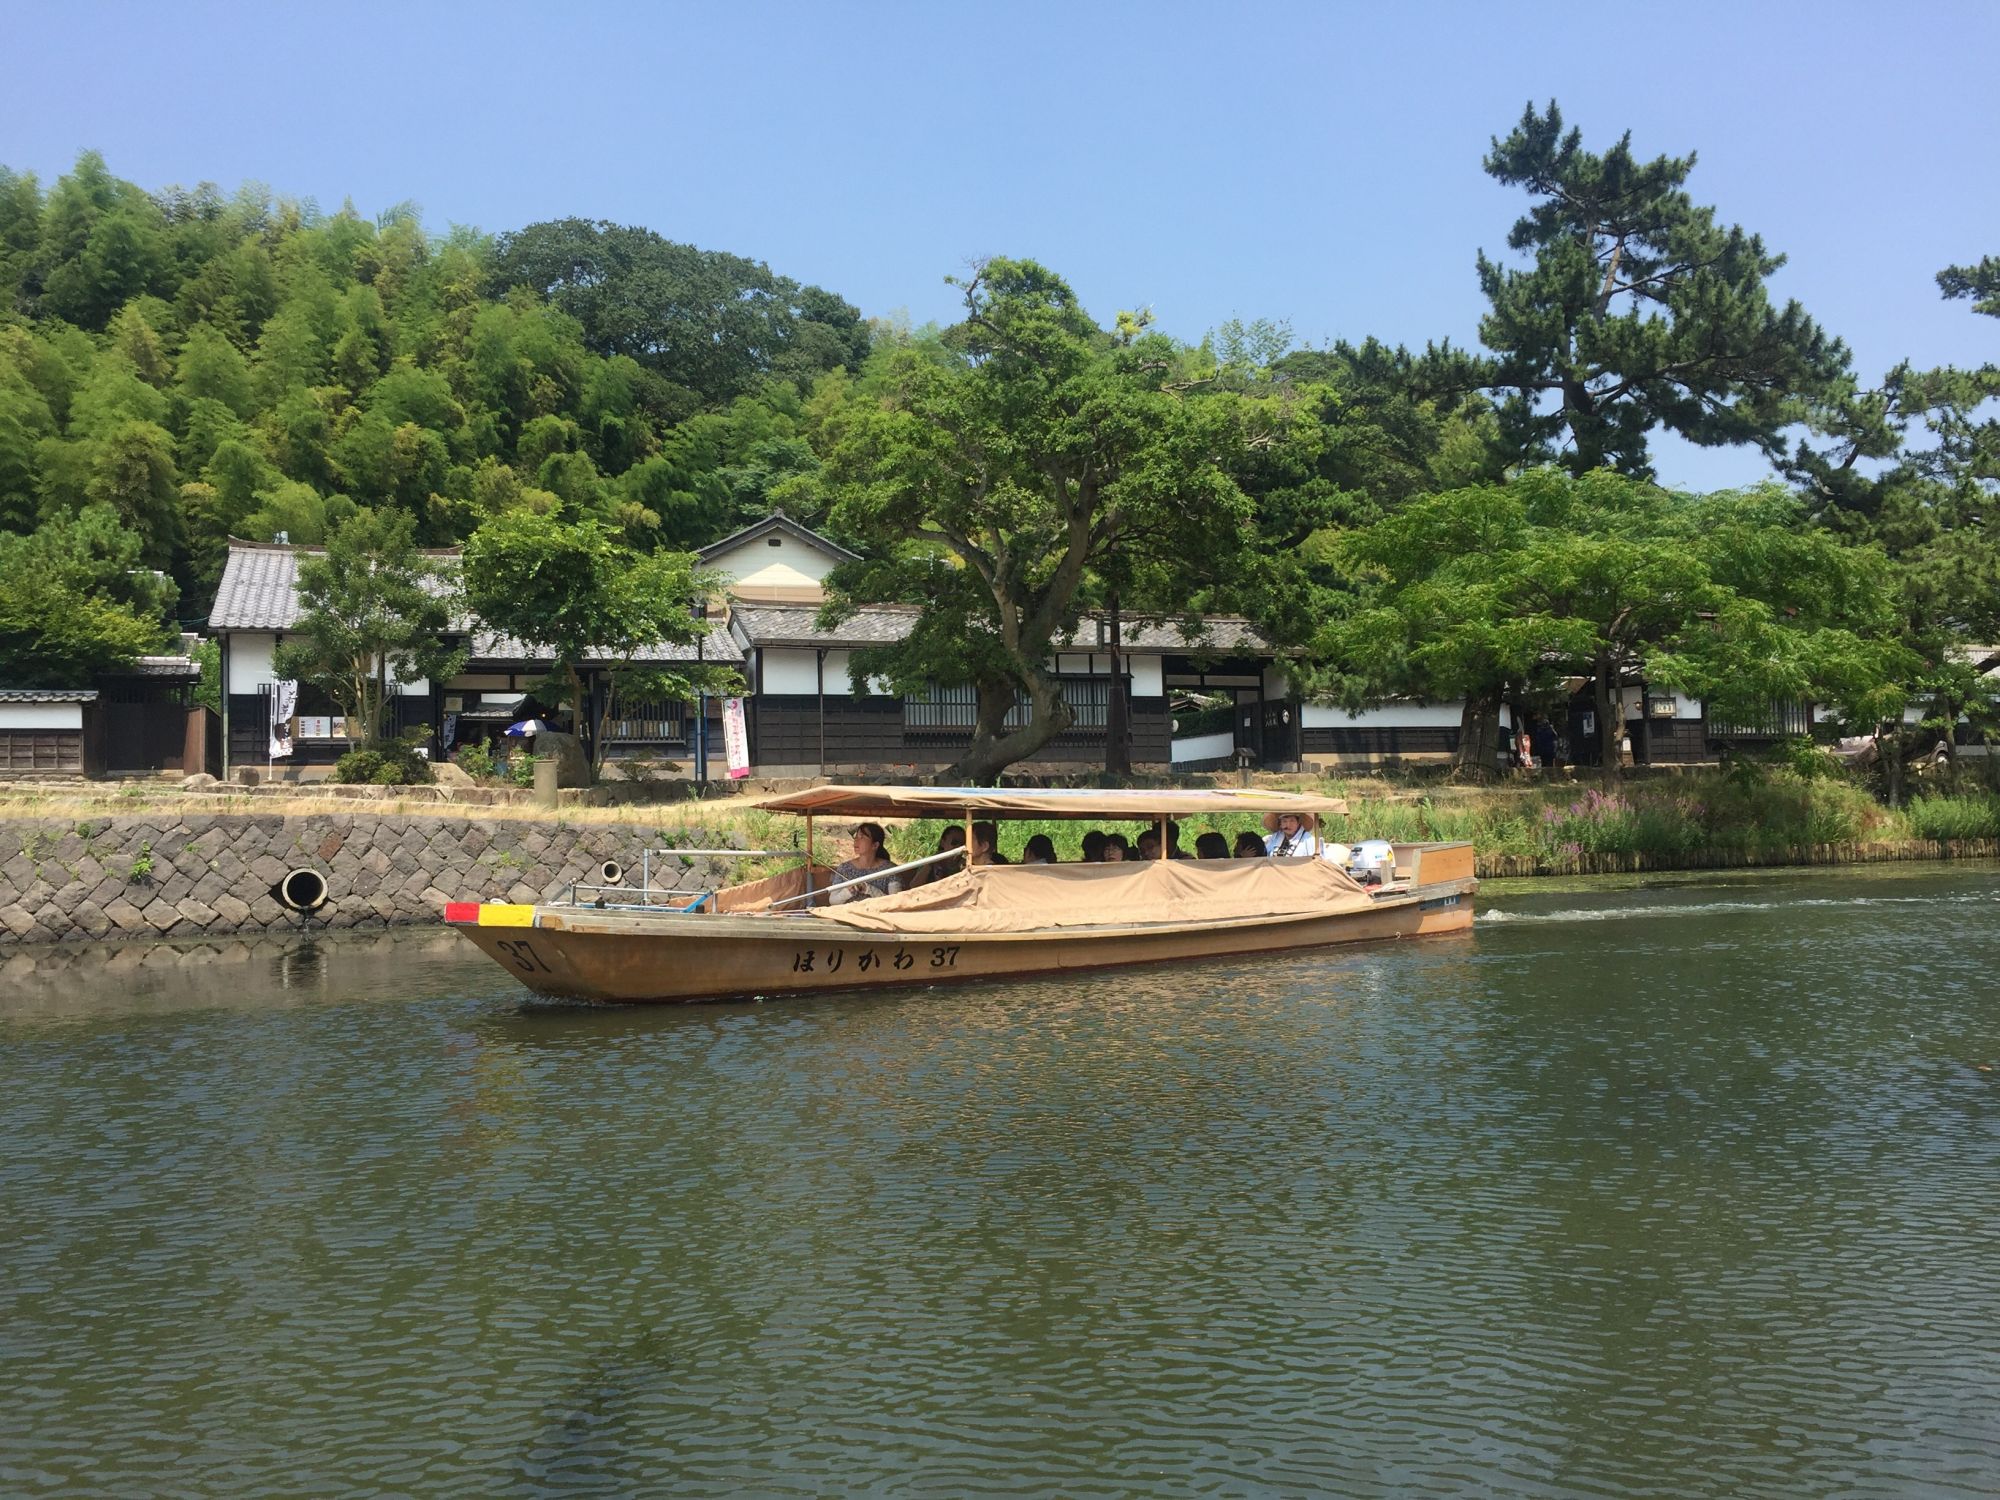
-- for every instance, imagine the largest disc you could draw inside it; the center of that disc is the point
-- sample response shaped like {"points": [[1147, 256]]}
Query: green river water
{"points": [[1659, 1188]]}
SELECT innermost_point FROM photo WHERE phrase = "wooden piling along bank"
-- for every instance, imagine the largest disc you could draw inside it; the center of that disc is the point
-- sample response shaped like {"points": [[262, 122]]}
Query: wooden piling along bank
{"points": [[1861, 852]]}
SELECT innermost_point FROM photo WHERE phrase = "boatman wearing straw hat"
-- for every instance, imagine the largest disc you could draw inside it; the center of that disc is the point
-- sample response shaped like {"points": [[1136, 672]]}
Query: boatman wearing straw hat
{"points": [[1295, 835]]}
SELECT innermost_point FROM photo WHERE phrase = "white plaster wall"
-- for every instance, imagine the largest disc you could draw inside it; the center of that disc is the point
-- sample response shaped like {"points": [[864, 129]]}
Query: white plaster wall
{"points": [[250, 660], [1147, 681], [41, 716], [1387, 716], [1204, 747], [757, 564], [790, 670]]}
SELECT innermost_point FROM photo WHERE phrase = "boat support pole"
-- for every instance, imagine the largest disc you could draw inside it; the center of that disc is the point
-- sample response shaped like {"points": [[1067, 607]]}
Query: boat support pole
{"points": [[968, 839], [809, 858], [1162, 825]]}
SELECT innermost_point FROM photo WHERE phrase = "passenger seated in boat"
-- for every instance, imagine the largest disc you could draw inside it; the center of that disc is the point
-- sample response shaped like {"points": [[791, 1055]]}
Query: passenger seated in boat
{"points": [[870, 853], [1116, 849], [986, 845], [1149, 845], [1040, 850], [1174, 849], [1214, 846], [1248, 846], [952, 838], [1093, 846]]}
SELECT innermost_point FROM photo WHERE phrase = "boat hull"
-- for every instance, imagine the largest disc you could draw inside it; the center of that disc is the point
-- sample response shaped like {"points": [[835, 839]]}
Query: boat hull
{"points": [[577, 953]]}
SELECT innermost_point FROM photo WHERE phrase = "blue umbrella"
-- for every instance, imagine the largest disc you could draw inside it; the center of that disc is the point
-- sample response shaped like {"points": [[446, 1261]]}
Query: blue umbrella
{"points": [[528, 726]]}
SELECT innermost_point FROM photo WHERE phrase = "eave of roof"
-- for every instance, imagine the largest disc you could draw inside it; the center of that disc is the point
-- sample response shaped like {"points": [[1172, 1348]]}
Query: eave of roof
{"points": [[1044, 802], [48, 695]]}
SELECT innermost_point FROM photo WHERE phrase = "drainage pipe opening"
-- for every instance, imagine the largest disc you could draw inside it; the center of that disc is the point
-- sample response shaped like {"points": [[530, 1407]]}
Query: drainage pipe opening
{"points": [[611, 873], [300, 890]]}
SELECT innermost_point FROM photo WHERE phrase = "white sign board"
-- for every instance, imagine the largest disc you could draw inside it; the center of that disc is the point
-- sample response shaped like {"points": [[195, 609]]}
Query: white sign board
{"points": [[735, 738]]}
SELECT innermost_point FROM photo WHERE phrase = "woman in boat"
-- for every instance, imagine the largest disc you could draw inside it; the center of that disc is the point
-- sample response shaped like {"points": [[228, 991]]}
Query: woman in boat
{"points": [[952, 838], [986, 845], [1248, 846], [1093, 846], [1117, 850], [1040, 850], [1213, 846], [870, 853]]}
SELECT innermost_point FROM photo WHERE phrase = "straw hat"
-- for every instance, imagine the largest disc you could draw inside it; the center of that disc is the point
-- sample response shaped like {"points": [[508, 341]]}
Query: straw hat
{"points": [[1307, 821]]}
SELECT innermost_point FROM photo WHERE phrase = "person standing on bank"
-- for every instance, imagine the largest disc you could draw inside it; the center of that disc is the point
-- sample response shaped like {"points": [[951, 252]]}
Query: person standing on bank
{"points": [[870, 854]]}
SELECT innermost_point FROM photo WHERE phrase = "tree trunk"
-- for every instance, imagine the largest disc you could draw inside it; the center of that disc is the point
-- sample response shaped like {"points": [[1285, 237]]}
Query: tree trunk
{"points": [[1117, 753], [1610, 722], [1889, 749], [994, 747], [1478, 749]]}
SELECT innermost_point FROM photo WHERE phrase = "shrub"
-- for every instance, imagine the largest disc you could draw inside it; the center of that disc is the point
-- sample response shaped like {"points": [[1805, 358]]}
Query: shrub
{"points": [[384, 763], [476, 761], [1972, 815], [521, 769]]}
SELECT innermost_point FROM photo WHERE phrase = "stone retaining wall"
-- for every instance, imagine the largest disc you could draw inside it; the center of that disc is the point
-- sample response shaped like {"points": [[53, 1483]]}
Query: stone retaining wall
{"points": [[184, 875]]}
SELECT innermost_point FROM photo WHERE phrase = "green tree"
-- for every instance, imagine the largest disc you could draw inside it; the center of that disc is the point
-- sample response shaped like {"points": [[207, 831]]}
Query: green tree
{"points": [[992, 485], [75, 601], [595, 605], [1498, 588], [372, 607], [708, 322], [1638, 311]]}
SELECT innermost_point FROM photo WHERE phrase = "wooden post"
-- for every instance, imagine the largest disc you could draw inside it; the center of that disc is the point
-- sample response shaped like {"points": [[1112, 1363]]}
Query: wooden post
{"points": [[809, 858], [968, 838], [1163, 835]]}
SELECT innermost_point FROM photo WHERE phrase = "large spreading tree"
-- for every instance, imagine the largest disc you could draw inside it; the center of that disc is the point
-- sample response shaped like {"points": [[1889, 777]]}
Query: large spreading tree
{"points": [[1500, 590], [993, 476]]}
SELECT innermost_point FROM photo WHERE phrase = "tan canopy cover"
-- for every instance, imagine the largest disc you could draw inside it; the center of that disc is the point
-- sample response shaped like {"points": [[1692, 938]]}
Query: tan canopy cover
{"points": [[1035, 898], [1045, 802]]}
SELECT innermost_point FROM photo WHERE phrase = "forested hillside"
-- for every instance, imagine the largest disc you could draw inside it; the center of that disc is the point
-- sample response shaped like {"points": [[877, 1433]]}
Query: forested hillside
{"points": [[203, 366]]}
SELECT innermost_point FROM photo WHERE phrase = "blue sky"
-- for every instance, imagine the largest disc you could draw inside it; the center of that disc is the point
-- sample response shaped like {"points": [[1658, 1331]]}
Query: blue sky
{"points": [[1312, 162]]}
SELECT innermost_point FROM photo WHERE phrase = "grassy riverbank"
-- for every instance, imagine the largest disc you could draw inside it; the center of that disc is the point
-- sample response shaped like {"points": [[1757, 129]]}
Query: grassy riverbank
{"points": [[1753, 815]]}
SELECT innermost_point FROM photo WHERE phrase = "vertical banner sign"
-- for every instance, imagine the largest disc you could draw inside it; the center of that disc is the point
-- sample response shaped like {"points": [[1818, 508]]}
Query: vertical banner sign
{"points": [[735, 738], [284, 699]]}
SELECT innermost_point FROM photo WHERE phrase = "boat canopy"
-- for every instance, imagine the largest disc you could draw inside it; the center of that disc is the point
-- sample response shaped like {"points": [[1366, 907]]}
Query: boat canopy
{"points": [[1130, 805], [1044, 898]]}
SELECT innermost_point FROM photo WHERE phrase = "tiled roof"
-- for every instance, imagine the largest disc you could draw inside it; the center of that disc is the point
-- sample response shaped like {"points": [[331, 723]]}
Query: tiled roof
{"points": [[259, 588], [48, 695], [776, 521], [886, 624], [1214, 635], [793, 625], [259, 591], [718, 646]]}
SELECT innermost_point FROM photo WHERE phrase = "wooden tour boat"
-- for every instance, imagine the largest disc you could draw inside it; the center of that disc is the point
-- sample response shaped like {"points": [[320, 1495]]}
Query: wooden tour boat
{"points": [[782, 935]]}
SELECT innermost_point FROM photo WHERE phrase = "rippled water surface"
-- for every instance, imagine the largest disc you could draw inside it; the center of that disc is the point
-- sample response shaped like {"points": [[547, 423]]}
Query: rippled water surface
{"points": [[1665, 1189]]}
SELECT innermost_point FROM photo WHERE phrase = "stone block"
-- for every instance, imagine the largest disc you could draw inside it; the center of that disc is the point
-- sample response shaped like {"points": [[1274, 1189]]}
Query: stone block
{"points": [[375, 862], [89, 919], [414, 886], [174, 887], [126, 917], [161, 916], [233, 911], [435, 899], [267, 869], [473, 842], [208, 888], [16, 919], [198, 912], [18, 872], [523, 894], [107, 890]]}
